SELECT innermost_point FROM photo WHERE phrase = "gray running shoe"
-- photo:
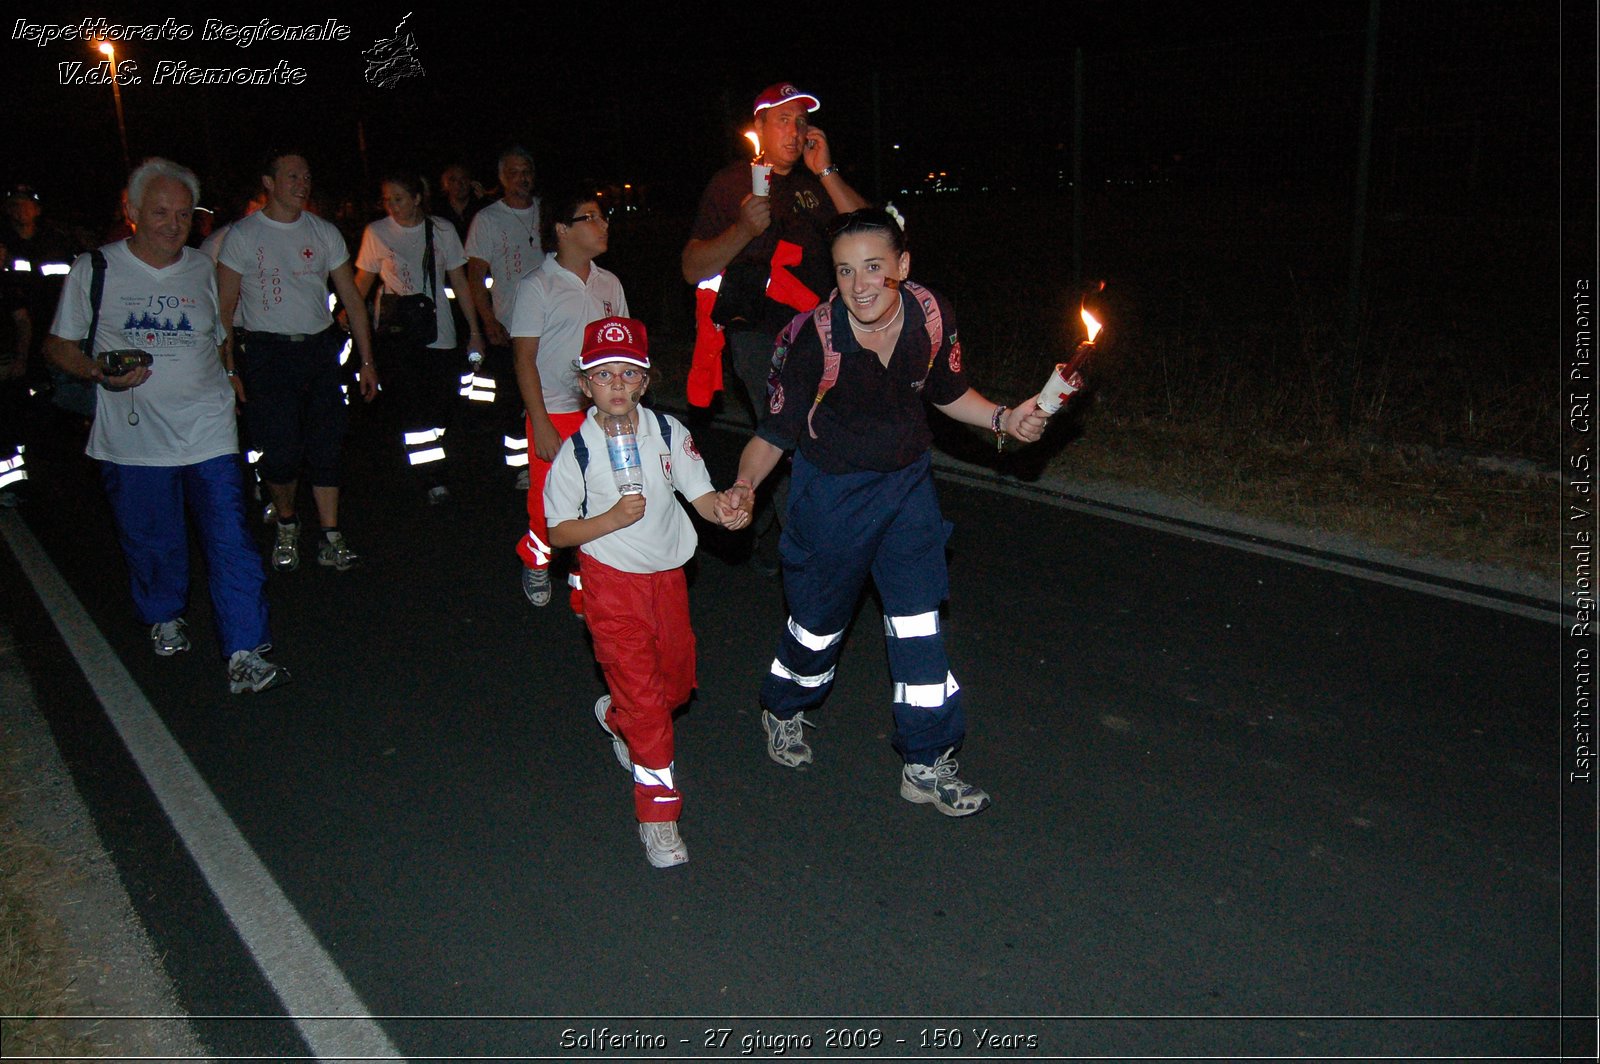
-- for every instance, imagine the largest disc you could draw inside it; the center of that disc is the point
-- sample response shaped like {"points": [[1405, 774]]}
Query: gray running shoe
{"points": [[786, 740], [169, 638], [336, 552], [618, 747], [663, 847], [938, 785], [536, 586], [249, 672], [286, 552]]}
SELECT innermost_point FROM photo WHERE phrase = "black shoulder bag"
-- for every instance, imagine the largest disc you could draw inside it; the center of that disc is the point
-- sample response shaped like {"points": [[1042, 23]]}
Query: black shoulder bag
{"points": [[412, 318]]}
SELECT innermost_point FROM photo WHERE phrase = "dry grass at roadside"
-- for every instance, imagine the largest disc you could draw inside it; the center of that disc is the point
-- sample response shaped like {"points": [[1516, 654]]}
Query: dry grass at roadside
{"points": [[1380, 494]]}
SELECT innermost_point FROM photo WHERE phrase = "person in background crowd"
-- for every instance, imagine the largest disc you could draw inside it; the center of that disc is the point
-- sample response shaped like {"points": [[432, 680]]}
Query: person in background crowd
{"points": [[463, 199], [503, 247], [416, 264]]}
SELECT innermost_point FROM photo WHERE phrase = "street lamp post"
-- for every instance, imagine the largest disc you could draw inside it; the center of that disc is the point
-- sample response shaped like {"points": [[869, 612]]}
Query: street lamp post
{"points": [[109, 52]]}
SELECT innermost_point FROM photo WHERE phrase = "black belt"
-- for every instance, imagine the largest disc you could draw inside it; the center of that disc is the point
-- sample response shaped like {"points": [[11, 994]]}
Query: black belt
{"points": [[282, 338]]}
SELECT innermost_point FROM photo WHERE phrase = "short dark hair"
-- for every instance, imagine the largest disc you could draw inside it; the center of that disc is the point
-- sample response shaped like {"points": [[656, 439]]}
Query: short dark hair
{"points": [[560, 208], [269, 165], [869, 220]]}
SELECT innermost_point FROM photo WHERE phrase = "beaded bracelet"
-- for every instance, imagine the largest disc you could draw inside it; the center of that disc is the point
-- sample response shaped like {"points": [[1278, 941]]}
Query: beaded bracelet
{"points": [[995, 423]]}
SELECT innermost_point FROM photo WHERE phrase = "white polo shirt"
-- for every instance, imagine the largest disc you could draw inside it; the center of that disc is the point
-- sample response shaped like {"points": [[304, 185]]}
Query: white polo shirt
{"points": [[555, 306], [283, 271], [664, 538]]}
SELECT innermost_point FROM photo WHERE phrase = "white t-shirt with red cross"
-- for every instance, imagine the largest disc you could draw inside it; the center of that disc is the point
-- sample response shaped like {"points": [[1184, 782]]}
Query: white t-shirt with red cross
{"points": [[283, 271]]}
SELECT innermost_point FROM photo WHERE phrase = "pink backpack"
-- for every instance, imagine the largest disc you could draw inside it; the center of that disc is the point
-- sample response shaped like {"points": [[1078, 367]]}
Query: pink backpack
{"points": [[823, 315]]}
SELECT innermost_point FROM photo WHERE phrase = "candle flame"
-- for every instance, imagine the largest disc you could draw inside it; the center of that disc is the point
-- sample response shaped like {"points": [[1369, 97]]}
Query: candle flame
{"points": [[1090, 323], [755, 141]]}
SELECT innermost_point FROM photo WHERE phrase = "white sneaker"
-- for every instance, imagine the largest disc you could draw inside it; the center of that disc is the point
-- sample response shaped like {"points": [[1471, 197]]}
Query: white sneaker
{"points": [[249, 672], [335, 551], [663, 847], [618, 747], [938, 785], [286, 551], [786, 739], [169, 638]]}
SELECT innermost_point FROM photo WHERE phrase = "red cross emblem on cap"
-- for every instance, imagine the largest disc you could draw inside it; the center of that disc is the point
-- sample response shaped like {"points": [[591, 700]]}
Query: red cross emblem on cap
{"points": [[615, 333]]}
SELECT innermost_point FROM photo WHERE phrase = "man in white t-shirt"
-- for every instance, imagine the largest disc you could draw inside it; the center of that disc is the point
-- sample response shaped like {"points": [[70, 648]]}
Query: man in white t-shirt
{"points": [[275, 267], [554, 303], [503, 247], [164, 430]]}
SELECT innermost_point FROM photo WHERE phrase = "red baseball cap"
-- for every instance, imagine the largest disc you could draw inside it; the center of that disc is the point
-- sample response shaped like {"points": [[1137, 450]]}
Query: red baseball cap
{"points": [[783, 92], [615, 340]]}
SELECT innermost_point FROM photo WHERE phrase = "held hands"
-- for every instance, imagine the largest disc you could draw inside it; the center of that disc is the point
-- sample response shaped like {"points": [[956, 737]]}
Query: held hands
{"points": [[742, 497], [1026, 421], [730, 513], [628, 510]]}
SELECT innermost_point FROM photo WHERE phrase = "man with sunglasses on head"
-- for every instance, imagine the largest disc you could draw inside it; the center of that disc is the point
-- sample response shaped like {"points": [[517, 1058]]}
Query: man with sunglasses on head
{"points": [[553, 305], [772, 250]]}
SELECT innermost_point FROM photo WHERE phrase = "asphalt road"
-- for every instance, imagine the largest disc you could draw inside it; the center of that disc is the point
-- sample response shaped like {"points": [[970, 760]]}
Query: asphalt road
{"points": [[1242, 806]]}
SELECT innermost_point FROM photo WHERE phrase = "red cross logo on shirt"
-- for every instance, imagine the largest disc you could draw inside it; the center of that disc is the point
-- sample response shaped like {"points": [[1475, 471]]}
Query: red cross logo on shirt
{"points": [[307, 254]]}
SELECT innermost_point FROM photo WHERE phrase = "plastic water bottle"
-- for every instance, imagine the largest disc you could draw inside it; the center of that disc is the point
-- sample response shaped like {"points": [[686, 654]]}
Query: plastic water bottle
{"points": [[623, 448]]}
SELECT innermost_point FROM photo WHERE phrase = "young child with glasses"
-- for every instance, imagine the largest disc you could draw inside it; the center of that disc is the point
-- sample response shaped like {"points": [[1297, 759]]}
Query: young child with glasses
{"points": [[631, 551]]}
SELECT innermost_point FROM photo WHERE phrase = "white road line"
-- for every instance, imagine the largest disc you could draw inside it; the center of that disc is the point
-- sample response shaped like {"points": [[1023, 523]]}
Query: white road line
{"points": [[300, 971]]}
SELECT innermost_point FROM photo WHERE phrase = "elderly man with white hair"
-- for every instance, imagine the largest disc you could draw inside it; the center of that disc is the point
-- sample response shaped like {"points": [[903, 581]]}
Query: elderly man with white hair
{"points": [[140, 318]]}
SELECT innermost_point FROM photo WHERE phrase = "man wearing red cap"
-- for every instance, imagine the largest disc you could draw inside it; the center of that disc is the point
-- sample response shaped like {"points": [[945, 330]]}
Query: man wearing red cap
{"points": [[772, 250]]}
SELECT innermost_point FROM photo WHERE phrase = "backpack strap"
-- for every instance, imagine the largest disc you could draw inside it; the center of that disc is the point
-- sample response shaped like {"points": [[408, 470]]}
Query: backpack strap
{"points": [[932, 320], [97, 289], [580, 451]]}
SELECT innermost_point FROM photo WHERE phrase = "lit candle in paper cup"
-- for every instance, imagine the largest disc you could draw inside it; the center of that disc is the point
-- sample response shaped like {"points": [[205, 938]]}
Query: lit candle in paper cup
{"points": [[760, 172], [1067, 377]]}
